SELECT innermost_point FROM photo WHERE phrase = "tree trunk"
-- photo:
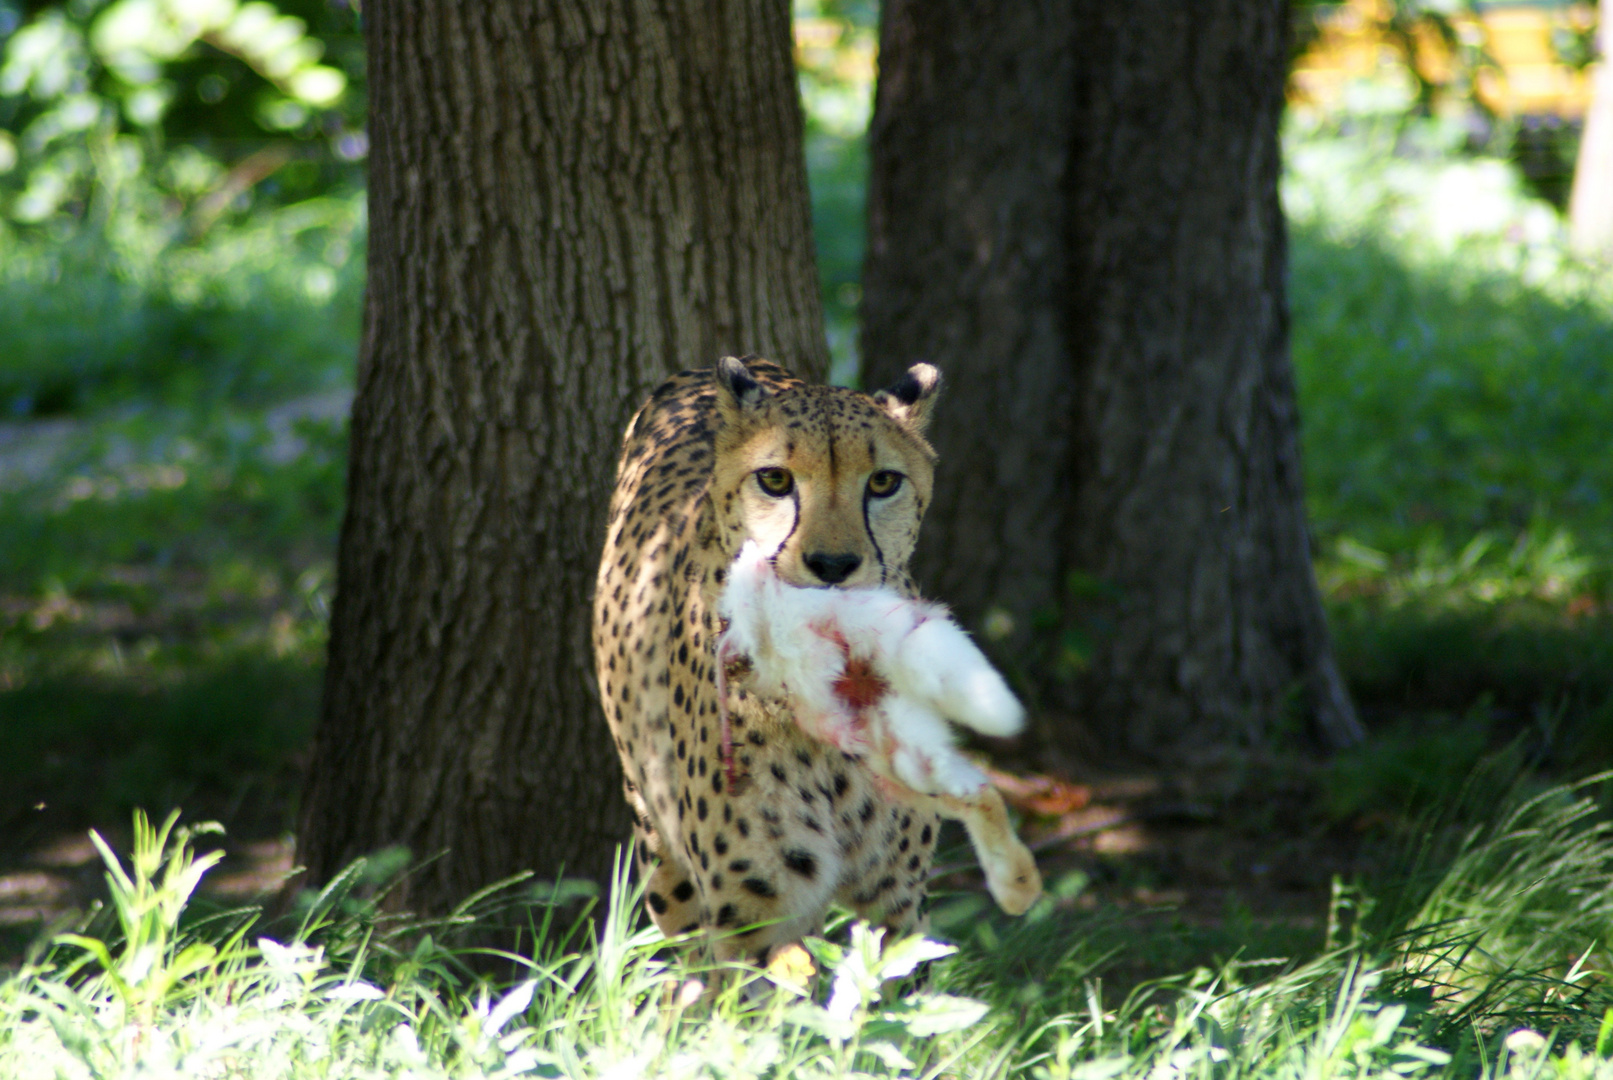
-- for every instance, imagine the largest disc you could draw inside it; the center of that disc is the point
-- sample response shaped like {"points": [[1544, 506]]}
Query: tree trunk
{"points": [[1073, 212], [1590, 206], [569, 201]]}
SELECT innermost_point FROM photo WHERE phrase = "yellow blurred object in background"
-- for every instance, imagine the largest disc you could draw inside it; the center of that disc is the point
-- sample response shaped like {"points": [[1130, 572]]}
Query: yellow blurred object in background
{"points": [[1518, 70]]}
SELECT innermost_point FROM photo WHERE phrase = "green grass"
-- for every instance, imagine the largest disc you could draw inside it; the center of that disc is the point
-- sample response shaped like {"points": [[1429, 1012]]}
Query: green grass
{"points": [[1457, 405], [165, 564], [1500, 972], [224, 736], [1440, 403]]}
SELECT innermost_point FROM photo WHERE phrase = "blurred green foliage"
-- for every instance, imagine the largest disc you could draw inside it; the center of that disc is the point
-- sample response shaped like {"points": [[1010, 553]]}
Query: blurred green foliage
{"points": [[265, 308], [1444, 401], [180, 201], [200, 100], [1443, 54]]}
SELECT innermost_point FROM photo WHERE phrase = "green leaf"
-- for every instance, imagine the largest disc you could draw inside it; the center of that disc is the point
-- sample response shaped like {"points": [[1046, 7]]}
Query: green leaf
{"points": [[826, 953], [115, 876], [887, 1053], [191, 959], [93, 946], [1386, 1022], [814, 1018], [936, 1014], [903, 957]]}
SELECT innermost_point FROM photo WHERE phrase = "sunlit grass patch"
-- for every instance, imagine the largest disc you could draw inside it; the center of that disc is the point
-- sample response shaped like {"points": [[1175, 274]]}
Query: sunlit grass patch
{"points": [[1436, 411], [1499, 974], [1451, 358], [1521, 922], [1545, 570]]}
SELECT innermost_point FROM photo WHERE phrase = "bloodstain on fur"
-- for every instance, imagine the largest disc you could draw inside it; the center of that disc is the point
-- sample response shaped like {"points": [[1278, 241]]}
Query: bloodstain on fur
{"points": [[859, 685]]}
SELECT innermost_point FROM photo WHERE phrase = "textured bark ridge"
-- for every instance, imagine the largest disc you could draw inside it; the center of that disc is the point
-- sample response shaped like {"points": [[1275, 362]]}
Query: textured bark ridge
{"points": [[568, 202], [1073, 212]]}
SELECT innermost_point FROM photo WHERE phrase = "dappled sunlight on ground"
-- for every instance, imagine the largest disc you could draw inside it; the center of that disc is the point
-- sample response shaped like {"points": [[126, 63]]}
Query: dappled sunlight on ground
{"points": [[252, 871], [51, 882], [33, 896]]}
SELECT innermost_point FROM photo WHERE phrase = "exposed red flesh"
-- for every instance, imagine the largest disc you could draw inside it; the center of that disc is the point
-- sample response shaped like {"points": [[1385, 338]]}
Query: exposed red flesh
{"points": [[859, 685]]}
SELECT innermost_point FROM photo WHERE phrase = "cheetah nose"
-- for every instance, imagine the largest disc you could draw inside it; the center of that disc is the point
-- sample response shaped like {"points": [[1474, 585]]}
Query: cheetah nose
{"points": [[833, 569]]}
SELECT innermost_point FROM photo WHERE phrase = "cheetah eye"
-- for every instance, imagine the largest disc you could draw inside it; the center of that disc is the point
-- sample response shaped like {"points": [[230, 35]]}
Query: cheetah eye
{"points": [[883, 484], [776, 482]]}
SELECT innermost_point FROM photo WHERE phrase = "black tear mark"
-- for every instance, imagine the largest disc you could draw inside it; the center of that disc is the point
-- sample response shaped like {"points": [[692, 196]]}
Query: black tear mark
{"points": [[795, 501], [868, 527]]}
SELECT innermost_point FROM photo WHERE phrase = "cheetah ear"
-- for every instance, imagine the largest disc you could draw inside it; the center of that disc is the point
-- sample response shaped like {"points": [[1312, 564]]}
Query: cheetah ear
{"points": [[908, 402], [738, 392]]}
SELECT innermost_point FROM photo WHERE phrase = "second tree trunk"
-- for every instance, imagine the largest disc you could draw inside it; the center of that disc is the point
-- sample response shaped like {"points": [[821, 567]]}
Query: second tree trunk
{"points": [[1073, 212]]}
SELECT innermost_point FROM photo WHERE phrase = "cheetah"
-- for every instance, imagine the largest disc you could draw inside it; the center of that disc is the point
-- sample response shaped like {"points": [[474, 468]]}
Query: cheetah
{"points": [[833, 483]]}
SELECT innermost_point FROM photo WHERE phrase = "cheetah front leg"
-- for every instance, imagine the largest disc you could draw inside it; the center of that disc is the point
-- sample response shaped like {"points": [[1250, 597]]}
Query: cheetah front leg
{"points": [[668, 892], [671, 899]]}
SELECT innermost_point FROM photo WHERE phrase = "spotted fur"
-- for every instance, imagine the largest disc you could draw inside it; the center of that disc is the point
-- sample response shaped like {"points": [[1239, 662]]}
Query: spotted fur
{"points": [[802, 824]]}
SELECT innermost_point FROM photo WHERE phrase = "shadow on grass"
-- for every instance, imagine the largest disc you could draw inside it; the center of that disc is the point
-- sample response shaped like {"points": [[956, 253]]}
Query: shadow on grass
{"points": [[224, 742], [1548, 679]]}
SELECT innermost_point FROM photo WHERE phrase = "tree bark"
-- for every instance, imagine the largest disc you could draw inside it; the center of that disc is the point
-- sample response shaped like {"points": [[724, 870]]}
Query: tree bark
{"points": [[1073, 212], [1590, 204], [569, 201]]}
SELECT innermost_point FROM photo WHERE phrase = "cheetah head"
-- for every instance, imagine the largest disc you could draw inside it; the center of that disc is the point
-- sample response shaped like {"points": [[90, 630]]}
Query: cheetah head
{"points": [[831, 482]]}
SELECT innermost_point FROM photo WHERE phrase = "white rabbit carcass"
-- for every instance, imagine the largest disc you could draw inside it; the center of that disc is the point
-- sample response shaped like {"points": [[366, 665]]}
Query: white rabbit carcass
{"points": [[878, 675]]}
